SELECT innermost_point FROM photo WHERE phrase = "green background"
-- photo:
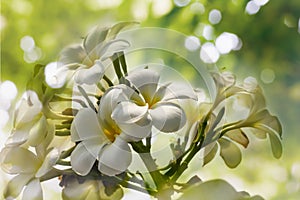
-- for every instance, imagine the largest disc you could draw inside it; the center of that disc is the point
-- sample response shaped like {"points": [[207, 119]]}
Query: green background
{"points": [[271, 41]]}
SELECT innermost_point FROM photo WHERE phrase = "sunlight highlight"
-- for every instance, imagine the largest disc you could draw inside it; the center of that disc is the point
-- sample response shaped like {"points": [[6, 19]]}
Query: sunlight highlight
{"points": [[227, 42], [215, 16], [27, 43], [209, 53], [192, 43], [252, 8], [181, 3], [208, 32], [55, 77], [197, 8], [160, 8], [267, 75]]}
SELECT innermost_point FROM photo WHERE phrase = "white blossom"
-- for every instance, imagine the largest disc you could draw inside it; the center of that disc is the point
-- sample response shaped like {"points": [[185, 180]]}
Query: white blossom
{"points": [[29, 122], [29, 168], [88, 60]]}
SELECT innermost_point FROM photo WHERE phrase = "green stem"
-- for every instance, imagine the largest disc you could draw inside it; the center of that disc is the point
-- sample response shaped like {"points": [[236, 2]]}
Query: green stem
{"points": [[62, 162], [108, 81], [54, 115], [148, 141], [150, 164], [117, 66], [55, 173], [123, 62], [61, 98], [137, 188], [194, 149], [62, 133], [62, 126], [184, 164], [67, 153]]}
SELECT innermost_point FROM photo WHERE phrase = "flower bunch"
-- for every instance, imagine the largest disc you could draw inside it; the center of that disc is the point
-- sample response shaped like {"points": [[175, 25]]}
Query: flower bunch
{"points": [[84, 119]]}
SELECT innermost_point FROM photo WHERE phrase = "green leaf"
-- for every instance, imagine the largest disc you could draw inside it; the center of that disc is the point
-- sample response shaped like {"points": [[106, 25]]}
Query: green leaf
{"points": [[210, 155], [238, 136], [230, 153], [213, 190], [37, 69], [71, 55], [36, 82]]}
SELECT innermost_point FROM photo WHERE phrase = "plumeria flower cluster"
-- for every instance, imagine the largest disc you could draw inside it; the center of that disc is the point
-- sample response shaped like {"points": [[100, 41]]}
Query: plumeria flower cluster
{"points": [[126, 114], [83, 126]]}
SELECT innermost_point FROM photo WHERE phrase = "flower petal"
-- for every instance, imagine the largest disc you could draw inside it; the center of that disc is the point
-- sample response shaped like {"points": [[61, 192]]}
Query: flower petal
{"points": [[82, 160], [112, 47], [72, 54], [90, 75], [131, 94], [18, 137], [107, 104], [38, 132], [87, 124], [230, 153], [175, 90], [48, 141], [94, 146], [48, 163], [78, 191], [224, 80], [15, 185], [115, 158], [18, 160], [74, 133], [136, 131], [94, 38], [128, 112], [167, 117], [28, 107], [109, 101], [33, 191], [146, 81]]}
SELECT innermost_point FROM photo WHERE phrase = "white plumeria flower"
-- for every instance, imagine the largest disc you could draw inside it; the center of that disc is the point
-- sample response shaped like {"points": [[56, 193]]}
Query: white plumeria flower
{"points": [[114, 155], [148, 99], [99, 136], [88, 60], [29, 168], [29, 122]]}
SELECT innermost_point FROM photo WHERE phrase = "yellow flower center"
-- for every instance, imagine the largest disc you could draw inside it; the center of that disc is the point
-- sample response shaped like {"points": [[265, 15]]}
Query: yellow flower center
{"points": [[112, 131]]}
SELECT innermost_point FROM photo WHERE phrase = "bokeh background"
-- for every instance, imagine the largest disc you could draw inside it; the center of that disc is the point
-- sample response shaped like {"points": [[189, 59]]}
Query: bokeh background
{"points": [[262, 40]]}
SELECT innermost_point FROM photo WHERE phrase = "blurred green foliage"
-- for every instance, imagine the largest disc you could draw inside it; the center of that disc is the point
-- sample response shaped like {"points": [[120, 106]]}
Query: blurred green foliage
{"points": [[270, 38]]}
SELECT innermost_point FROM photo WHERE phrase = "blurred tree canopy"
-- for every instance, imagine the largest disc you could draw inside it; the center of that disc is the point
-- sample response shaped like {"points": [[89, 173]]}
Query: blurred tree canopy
{"points": [[269, 32]]}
